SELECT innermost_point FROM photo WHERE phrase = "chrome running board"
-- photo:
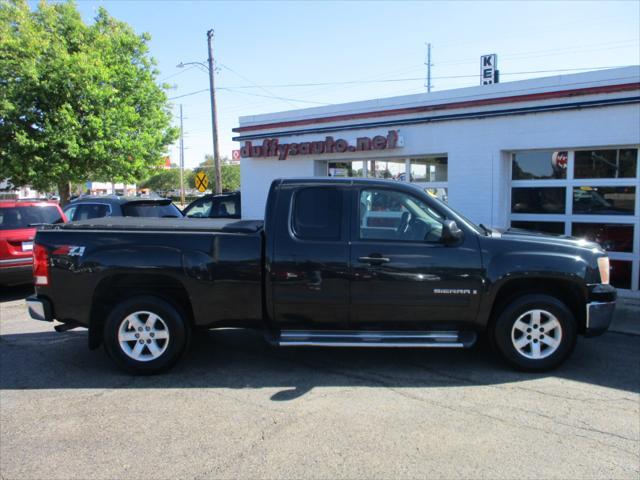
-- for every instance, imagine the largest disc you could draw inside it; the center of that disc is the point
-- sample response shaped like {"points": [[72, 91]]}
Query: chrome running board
{"points": [[377, 339]]}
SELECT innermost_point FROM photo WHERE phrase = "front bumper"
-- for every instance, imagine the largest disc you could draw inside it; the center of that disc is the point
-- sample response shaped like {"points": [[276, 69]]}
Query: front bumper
{"points": [[599, 316], [39, 309]]}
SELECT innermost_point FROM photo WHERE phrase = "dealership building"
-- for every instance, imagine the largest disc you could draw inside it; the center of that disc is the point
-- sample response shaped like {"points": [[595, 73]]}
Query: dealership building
{"points": [[556, 154]]}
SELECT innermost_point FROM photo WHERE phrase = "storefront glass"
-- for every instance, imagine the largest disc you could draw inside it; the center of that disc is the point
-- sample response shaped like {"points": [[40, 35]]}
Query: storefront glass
{"points": [[538, 200], [612, 237], [606, 163], [604, 200], [541, 165], [546, 227], [433, 169], [589, 194], [387, 169]]}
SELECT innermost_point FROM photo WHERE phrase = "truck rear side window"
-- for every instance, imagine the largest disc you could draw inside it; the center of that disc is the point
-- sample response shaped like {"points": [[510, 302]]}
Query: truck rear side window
{"points": [[317, 213]]}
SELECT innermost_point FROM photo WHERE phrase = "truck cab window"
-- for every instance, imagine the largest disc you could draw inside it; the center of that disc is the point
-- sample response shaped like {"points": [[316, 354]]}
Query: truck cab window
{"points": [[317, 213], [391, 215]]}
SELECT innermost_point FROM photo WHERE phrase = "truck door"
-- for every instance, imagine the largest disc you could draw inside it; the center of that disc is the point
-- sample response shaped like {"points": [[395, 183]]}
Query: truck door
{"points": [[308, 267], [403, 275]]}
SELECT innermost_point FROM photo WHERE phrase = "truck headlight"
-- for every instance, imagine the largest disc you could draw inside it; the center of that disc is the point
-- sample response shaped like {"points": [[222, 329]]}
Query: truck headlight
{"points": [[603, 266]]}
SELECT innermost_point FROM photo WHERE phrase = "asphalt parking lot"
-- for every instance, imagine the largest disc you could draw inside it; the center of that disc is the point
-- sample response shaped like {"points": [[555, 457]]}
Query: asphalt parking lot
{"points": [[235, 407]]}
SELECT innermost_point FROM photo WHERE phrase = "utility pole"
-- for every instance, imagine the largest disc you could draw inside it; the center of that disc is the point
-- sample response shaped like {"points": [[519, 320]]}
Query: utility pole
{"points": [[429, 65], [214, 117], [181, 160]]}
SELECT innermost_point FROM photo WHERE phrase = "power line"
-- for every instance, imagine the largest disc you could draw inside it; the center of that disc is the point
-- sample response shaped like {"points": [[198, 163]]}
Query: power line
{"points": [[250, 81], [177, 73], [188, 94], [276, 97], [393, 80]]}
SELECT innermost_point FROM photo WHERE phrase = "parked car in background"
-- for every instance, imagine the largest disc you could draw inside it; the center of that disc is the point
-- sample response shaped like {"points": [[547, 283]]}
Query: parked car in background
{"points": [[89, 207], [18, 220], [224, 205]]}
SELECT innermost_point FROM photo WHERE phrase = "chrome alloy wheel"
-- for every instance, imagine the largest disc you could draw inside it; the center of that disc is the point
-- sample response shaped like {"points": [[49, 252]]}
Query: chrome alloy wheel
{"points": [[536, 334], [143, 336]]}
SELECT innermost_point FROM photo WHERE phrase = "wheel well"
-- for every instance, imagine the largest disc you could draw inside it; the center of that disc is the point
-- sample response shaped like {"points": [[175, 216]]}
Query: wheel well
{"points": [[563, 290], [116, 288]]}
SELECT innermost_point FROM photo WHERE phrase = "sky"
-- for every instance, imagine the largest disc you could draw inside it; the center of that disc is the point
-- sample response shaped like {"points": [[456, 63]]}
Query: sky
{"points": [[261, 48]]}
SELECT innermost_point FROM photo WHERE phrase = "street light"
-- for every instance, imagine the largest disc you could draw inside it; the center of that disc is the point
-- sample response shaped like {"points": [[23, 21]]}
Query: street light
{"points": [[214, 116]]}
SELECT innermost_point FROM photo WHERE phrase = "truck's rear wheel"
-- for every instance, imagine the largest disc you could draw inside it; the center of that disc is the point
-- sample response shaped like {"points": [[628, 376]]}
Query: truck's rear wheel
{"points": [[145, 335], [535, 332]]}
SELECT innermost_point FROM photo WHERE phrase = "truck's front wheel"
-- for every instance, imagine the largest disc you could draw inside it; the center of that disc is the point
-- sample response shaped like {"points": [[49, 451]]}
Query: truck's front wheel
{"points": [[145, 335], [535, 332]]}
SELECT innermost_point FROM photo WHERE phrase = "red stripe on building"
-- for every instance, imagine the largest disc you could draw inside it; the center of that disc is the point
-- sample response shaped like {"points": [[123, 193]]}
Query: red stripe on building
{"points": [[447, 106]]}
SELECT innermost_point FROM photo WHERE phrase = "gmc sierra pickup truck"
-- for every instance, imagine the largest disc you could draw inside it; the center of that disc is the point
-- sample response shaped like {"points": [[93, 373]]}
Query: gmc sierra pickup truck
{"points": [[336, 263]]}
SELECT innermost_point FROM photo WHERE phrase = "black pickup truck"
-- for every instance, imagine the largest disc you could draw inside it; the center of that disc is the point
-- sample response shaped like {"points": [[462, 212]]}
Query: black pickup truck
{"points": [[336, 263]]}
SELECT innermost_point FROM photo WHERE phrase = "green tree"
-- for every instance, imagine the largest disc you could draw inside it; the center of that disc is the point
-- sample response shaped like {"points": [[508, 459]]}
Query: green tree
{"points": [[77, 101], [165, 180], [230, 174]]}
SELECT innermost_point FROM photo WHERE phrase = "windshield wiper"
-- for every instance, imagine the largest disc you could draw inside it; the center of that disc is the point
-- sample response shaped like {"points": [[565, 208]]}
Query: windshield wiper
{"points": [[487, 231]]}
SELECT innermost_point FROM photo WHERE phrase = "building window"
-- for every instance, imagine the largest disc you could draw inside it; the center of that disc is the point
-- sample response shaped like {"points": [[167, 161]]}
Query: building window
{"points": [[621, 274], [541, 165], [612, 237], [606, 163], [388, 169], [556, 228], [590, 194], [430, 172], [538, 200], [604, 200], [433, 169]]}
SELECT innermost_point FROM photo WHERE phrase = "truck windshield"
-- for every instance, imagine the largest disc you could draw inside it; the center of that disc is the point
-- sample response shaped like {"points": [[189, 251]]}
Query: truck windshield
{"points": [[455, 215]]}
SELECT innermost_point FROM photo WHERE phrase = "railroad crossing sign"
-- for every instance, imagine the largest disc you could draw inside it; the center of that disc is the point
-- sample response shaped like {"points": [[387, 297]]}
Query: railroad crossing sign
{"points": [[202, 181]]}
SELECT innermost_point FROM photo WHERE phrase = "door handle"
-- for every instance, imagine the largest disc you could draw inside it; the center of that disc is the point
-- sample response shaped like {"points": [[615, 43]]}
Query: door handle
{"points": [[373, 260]]}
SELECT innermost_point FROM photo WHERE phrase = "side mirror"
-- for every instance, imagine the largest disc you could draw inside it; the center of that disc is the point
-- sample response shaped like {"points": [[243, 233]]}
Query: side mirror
{"points": [[451, 233]]}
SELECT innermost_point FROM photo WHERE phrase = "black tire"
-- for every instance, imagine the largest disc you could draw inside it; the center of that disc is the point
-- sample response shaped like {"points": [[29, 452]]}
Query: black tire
{"points": [[172, 320], [505, 336]]}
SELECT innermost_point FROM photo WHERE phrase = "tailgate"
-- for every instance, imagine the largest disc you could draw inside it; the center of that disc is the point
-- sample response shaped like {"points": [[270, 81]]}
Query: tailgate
{"points": [[16, 247]]}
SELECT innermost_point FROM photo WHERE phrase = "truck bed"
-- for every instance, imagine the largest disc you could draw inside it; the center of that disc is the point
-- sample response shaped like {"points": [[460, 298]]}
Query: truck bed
{"points": [[214, 263], [230, 225]]}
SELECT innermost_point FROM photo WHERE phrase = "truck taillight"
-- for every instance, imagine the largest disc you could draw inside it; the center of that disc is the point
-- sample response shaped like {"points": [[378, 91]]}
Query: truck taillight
{"points": [[40, 265]]}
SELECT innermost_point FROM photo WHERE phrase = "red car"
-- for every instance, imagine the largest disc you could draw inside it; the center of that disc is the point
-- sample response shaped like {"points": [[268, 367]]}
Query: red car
{"points": [[18, 221]]}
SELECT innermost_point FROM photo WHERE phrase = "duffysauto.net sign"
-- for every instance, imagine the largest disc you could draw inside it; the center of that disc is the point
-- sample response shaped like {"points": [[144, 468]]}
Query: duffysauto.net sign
{"points": [[273, 148]]}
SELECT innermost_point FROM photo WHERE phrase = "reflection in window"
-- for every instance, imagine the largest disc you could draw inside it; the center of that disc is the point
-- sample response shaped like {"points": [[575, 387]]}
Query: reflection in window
{"points": [[439, 193], [604, 200], [201, 209], [620, 274], [539, 165], [538, 200], [434, 169], [544, 227], [606, 163], [391, 215], [388, 169], [611, 237]]}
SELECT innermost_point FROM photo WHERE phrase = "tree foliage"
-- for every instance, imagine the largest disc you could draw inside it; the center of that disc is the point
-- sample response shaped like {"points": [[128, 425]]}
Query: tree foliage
{"points": [[77, 101], [230, 174], [164, 180]]}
